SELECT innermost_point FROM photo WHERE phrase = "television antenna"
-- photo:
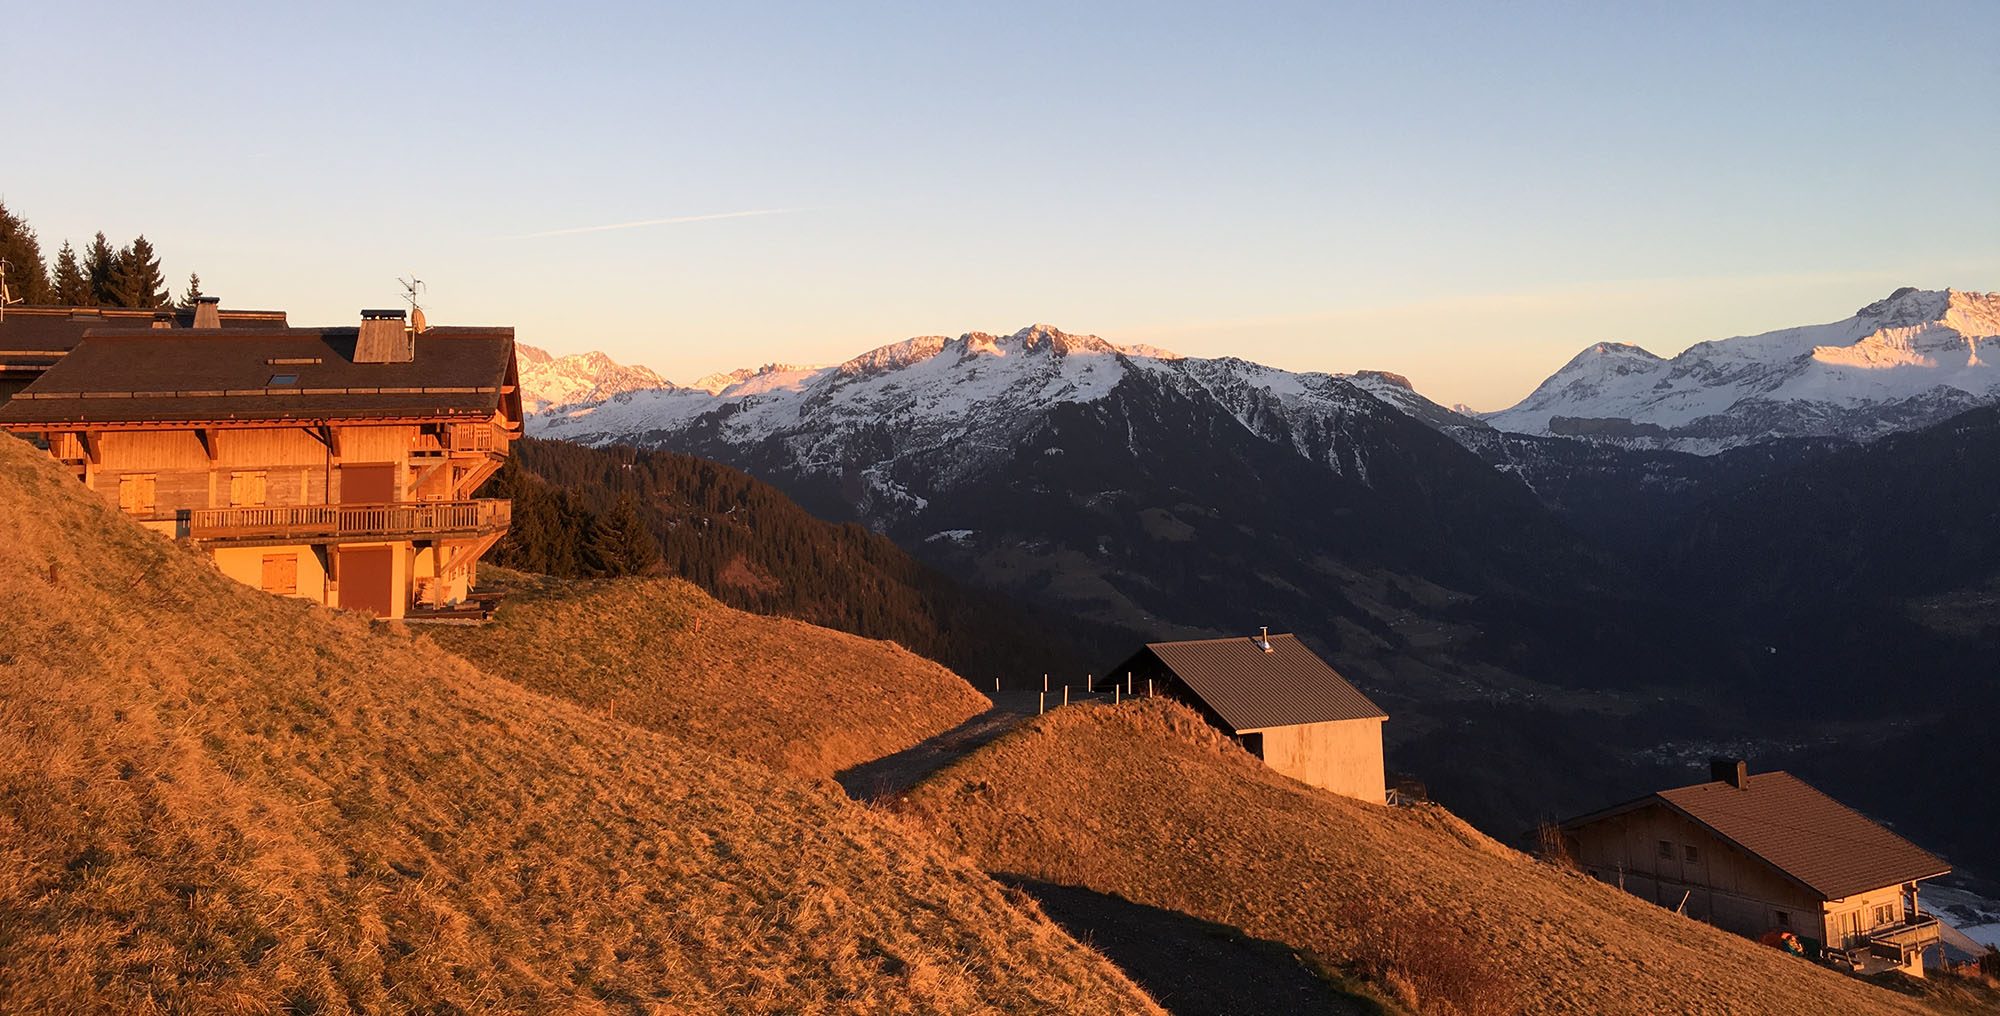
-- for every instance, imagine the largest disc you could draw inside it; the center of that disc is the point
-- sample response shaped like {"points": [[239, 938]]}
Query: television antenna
{"points": [[412, 287], [6, 296]]}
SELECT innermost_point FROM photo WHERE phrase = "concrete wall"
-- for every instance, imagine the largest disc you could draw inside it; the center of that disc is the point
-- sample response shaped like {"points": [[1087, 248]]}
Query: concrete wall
{"points": [[1721, 884], [1344, 756]]}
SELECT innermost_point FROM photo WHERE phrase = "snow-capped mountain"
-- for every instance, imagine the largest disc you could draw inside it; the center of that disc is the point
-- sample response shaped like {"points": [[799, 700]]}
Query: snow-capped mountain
{"points": [[1149, 493], [548, 380], [1907, 361], [905, 422]]}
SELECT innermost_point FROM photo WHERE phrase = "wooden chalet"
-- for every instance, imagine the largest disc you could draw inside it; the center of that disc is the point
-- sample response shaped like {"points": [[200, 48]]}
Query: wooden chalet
{"points": [[333, 464], [1763, 853], [1279, 700]]}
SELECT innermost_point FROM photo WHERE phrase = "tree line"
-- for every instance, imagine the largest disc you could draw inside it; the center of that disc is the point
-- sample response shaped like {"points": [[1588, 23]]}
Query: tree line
{"points": [[101, 276], [586, 512]]}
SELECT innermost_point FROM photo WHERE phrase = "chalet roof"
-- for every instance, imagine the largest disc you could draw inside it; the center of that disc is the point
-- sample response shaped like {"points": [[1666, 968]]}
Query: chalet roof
{"points": [[1785, 822], [224, 375], [1251, 689], [58, 329]]}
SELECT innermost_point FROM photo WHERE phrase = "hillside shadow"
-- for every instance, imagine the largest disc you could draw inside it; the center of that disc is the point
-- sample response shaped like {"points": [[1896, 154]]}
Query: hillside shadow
{"points": [[1192, 967]]}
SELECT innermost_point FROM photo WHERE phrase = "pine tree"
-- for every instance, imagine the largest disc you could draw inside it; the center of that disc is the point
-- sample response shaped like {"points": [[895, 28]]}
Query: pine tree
{"points": [[620, 542], [136, 278], [193, 291], [100, 265], [27, 277], [72, 289]]}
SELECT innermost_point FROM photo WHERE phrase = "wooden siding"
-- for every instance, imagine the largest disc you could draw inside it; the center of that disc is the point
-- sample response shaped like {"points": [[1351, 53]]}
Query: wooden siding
{"points": [[1721, 884]]}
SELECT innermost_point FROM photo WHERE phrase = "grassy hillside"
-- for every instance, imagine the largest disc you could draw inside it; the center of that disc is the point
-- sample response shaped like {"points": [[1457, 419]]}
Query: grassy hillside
{"points": [[1145, 802], [213, 800], [664, 655]]}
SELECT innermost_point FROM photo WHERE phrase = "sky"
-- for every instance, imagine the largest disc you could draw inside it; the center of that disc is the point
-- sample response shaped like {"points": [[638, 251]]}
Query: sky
{"points": [[1466, 194]]}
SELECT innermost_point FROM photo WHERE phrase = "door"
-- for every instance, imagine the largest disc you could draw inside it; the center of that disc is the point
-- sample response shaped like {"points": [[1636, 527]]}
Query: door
{"points": [[368, 579], [370, 484]]}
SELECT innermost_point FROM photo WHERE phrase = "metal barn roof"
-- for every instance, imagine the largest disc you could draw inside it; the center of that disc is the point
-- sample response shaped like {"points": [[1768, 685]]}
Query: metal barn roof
{"points": [[1251, 689]]}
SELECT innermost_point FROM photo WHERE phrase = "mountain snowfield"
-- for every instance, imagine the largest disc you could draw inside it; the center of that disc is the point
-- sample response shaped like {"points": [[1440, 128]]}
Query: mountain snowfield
{"points": [[930, 411], [1904, 362]]}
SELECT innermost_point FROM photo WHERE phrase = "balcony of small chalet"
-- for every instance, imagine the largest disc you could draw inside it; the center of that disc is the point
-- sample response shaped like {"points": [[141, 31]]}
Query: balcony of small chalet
{"points": [[1904, 938], [335, 523]]}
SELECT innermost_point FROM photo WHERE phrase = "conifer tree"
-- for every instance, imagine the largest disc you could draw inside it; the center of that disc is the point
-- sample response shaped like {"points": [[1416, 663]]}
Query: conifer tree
{"points": [[193, 291], [620, 542], [27, 277], [136, 278], [72, 289], [100, 266]]}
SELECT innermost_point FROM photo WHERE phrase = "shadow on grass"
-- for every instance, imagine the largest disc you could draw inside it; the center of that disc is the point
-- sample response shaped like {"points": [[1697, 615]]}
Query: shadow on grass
{"points": [[1190, 966]]}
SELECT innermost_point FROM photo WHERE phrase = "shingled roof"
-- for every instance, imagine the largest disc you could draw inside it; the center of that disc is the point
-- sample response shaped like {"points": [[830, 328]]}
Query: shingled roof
{"points": [[1810, 837], [1251, 689], [231, 375]]}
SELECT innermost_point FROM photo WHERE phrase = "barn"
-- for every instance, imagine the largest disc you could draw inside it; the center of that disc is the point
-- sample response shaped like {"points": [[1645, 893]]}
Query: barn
{"points": [[1279, 700]]}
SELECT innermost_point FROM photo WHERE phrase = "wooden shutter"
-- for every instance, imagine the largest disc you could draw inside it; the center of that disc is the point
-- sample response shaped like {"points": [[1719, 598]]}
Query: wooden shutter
{"points": [[281, 573], [246, 489], [135, 493]]}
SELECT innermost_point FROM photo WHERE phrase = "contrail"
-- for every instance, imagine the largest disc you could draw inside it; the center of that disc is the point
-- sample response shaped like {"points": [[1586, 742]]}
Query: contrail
{"points": [[652, 222]]}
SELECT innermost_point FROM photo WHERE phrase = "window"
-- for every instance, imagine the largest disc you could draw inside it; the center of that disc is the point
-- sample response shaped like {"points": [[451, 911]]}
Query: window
{"points": [[246, 489], [1885, 914], [284, 379], [281, 574], [136, 493], [1784, 919], [1690, 854], [1666, 851]]}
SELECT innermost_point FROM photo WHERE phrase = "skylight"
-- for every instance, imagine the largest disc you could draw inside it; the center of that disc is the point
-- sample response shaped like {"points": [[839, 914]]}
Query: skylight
{"points": [[284, 379]]}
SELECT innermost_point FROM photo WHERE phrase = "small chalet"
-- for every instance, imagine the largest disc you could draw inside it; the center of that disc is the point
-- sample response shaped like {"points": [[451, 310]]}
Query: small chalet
{"points": [[1763, 853], [1280, 701], [333, 464]]}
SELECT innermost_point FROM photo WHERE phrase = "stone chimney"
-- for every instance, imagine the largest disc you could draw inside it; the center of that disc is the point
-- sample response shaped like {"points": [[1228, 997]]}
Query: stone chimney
{"points": [[1733, 771], [207, 312], [383, 338]]}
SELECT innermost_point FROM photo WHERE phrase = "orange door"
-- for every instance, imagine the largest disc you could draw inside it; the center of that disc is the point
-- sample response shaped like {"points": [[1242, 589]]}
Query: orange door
{"points": [[367, 579], [374, 484]]}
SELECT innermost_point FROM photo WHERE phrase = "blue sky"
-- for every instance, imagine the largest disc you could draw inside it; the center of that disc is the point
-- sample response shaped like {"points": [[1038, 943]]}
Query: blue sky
{"points": [[1466, 194]]}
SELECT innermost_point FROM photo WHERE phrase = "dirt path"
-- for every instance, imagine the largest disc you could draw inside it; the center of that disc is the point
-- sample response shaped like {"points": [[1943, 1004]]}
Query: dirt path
{"points": [[890, 775]]}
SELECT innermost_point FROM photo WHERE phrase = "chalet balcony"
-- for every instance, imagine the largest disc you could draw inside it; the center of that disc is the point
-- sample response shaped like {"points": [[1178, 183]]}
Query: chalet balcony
{"points": [[1895, 941], [347, 522]]}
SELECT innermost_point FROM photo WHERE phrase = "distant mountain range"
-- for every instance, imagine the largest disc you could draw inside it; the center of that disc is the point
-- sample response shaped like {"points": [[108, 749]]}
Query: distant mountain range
{"points": [[548, 381], [1901, 363]]}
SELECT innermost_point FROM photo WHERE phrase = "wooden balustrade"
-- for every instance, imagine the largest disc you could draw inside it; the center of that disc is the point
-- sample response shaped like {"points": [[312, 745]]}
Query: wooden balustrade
{"points": [[405, 518]]}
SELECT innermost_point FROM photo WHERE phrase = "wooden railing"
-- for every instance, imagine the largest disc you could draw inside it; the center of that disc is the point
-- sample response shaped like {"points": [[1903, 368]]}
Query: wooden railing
{"points": [[1903, 938], [404, 518]]}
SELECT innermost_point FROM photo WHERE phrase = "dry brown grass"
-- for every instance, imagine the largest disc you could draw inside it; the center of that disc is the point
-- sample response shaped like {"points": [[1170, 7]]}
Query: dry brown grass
{"points": [[664, 655], [213, 800], [1148, 802]]}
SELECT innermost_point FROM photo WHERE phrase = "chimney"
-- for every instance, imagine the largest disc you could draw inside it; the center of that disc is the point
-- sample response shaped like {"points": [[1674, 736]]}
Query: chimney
{"points": [[1733, 771], [163, 319], [1264, 640], [207, 312], [383, 338]]}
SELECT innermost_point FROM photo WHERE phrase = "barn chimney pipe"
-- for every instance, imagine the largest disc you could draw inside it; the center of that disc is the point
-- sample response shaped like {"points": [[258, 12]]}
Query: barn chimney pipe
{"points": [[1733, 771]]}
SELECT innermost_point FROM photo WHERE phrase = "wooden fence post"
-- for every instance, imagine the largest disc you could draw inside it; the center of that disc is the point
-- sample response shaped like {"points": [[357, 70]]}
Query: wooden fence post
{"points": [[1065, 694], [1042, 704]]}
